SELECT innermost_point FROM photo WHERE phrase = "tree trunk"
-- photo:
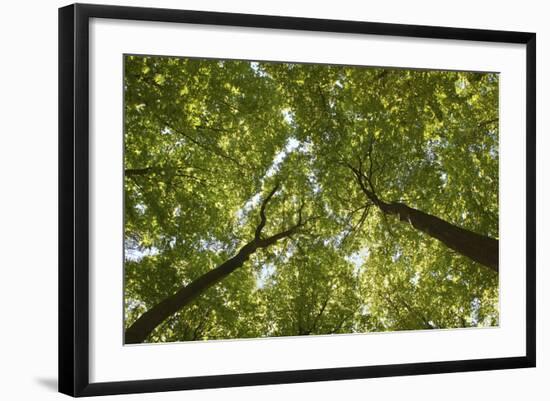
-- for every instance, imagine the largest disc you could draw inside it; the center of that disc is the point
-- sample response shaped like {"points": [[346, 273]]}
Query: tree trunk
{"points": [[147, 322], [479, 248]]}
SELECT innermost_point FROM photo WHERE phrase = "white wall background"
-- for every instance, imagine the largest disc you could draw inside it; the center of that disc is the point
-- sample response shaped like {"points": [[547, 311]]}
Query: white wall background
{"points": [[28, 200]]}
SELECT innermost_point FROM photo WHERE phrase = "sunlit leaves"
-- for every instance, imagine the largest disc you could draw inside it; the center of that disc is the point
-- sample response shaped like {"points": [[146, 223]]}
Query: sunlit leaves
{"points": [[206, 140]]}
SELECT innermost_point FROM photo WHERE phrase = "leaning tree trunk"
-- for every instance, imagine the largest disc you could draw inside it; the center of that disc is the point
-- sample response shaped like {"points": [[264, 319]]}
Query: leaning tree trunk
{"points": [[479, 248], [147, 322]]}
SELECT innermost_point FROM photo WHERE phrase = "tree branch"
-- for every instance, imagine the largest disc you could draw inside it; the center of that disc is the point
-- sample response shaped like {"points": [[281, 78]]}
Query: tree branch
{"points": [[259, 228]]}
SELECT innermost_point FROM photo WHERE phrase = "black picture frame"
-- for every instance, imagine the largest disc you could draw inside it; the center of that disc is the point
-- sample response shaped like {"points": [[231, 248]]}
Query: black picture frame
{"points": [[74, 198]]}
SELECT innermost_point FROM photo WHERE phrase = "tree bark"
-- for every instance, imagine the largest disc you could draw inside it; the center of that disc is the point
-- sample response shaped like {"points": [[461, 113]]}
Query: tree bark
{"points": [[137, 171], [146, 323], [480, 248]]}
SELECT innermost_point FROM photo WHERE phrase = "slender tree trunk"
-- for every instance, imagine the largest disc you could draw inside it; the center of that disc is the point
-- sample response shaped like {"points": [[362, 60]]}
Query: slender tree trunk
{"points": [[146, 323], [480, 248]]}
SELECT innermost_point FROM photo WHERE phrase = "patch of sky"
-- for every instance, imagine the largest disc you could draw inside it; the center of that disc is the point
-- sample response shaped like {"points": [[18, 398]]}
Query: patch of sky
{"points": [[312, 178], [265, 273], [132, 304], [475, 305], [326, 206], [306, 147], [137, 254], [415, 279], [290, 146], [336, 240], [257, 70], [397, 254], [211, 244], [358, 259], [431, 149], [444, 178], [288, 116]]}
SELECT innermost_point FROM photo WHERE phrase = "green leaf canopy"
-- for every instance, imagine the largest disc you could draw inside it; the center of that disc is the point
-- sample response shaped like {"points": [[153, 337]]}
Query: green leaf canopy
{"points": [[223, 154]]}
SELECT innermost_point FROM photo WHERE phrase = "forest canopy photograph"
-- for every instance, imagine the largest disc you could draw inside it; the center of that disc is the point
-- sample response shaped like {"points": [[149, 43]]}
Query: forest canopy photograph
{"points": [[268, 199]]}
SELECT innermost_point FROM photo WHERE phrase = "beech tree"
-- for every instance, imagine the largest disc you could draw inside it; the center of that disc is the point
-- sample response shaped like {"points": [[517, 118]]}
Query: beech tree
{"points": [[273, 199], [147, 322]]}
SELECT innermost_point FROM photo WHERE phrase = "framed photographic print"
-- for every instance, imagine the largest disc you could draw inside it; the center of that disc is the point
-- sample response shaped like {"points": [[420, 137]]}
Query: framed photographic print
{"points": [[250, 199]]}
